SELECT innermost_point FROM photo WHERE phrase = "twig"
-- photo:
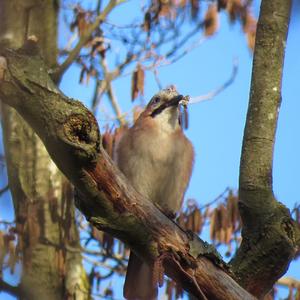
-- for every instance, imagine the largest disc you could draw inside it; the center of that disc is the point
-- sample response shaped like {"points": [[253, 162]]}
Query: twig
{"points": [[120, 260], [3, 190], [155, 72], [10, 289], [185, 39], [7, 223], [163, 61], [159, 62], [104, 265], [289, 282], [84, 39], [220, 89], [108, 87], [95, 96], [216, 199], [186, 50], [98, 8], [115, 105]]}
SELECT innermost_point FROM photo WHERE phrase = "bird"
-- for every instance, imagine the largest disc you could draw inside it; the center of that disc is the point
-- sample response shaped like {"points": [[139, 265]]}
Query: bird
{"points": [[157, 159]]}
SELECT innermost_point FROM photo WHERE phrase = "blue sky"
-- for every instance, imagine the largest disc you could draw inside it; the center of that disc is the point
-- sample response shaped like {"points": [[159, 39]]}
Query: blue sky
{"points": [[216, 126]]}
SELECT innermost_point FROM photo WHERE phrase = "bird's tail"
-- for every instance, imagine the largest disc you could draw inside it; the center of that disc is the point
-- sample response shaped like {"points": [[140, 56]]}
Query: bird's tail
{"points": [[139, 282]]}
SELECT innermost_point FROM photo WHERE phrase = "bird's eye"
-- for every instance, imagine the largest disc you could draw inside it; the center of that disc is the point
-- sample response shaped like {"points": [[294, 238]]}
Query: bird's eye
{"points": [[156, 100]]}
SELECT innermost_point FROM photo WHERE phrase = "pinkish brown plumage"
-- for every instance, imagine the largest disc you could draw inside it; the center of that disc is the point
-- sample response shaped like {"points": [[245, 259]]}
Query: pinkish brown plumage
{"points": [[157, 159]]}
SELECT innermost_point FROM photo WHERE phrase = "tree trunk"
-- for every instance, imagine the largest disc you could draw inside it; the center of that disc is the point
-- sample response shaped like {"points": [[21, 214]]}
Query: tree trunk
{"points": [[270, 236], [42, 197]]}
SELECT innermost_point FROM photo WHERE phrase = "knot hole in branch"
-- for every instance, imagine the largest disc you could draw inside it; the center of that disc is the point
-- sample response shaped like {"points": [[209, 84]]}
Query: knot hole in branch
{"points": [[77, 129]]}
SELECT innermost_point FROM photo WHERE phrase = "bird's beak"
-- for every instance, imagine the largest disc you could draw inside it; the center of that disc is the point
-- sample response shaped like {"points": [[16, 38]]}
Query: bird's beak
{"points": [[172, 102]]}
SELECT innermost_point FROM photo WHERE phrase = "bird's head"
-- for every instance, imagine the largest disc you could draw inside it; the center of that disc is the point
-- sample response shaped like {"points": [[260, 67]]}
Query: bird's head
{"points": [[163, 110], [165, 101]]}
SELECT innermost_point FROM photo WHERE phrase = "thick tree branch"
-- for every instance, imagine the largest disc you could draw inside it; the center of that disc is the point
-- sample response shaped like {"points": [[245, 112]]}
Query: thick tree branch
{"points": [[71, 136], [270, 236]]}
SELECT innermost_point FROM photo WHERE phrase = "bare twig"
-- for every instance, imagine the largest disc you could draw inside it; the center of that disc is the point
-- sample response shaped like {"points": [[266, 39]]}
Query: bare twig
{"points": [[10, 289], [95, 100], [110, 92], [161, 60], [119, 267], [7, 223], [218, 90], [185, 39], [221, 196], [98, 8], [3, 190], [155, 72], [84, 39], [185, 51], [289, 282]]}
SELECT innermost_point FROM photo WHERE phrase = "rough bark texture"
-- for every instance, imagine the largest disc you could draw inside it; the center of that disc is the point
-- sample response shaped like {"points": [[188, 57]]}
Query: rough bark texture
{"points": [[42, 197], [270, 236], [71, 136]]}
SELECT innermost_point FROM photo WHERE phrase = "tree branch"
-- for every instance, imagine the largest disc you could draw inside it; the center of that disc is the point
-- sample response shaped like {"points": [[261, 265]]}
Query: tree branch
{"points": [[289, 282], [219, 89], [10, 289], [3, 190], [71, 136], [270, 236], [84, 39], [111, 94]]}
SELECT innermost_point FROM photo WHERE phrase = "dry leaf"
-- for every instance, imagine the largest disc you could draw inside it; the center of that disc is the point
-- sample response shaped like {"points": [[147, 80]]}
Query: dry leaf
{"points": [[147, 22], [158, 272], [211, 20], [108, 242], [181, 220], [189, 225], [251, 40], [297, 296], [169, 289], [249, 27], [107, 142], [195, 7], [213, 221], [232, 210], [82, 72], [228, 235], [182, 3], [222, 4], [234, 9], [97, 234], [12, 257], [82, 24], [198, 221], [137, 82], [3, 250]]}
